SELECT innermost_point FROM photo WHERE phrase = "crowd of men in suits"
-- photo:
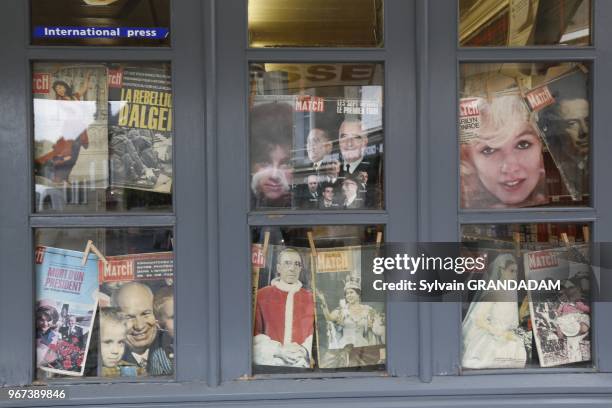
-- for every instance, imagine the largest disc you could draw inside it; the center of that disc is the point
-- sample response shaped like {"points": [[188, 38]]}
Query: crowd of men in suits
{"points": [[327, 177], [326, 182]]}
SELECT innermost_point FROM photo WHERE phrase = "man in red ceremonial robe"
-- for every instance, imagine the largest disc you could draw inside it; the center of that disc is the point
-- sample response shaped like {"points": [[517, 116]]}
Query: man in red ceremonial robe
{"points": [[284, 317]]}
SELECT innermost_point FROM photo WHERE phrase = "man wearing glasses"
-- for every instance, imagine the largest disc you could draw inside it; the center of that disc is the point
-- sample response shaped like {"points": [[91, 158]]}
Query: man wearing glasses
{"points": [[284, 317], [353, 141]]}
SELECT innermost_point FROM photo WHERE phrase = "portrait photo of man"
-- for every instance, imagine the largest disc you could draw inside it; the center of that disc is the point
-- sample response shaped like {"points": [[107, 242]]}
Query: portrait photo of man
{"points": [[565, 126], [353, 142], [135, 303], [328, 197], [284, 316], [72, 330]]}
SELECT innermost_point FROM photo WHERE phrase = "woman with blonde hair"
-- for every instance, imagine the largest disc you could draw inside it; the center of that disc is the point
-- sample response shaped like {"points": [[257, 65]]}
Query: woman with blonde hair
{"points": [[503, 165]]}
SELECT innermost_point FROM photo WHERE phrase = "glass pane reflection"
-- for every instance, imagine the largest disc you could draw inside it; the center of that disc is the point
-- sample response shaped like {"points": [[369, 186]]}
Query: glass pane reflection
{"points": [[529, 328], [315, 23], [524, 135], [332, 329], [316, 133], [517, 23], [104, 302], [102, 137], [101, 22]]}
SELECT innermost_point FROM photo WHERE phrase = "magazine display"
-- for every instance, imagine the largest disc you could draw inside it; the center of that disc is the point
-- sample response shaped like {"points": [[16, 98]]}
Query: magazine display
{"points": [[65, 309], [140, 127], [284, 310], [545, 119], [563, 118], [70, 125], [137, 315], [350, 333], [319, 147], [561, 320]]}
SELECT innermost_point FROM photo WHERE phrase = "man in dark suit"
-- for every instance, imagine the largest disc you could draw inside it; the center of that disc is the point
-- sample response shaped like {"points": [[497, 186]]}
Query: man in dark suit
{"points": [[353, 141], [328, 198], [308, 194], [350, 191], [318, 148], [72, 330]]}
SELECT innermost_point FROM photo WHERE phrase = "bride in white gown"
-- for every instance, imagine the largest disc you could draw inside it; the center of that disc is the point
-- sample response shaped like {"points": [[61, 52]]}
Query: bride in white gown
{"points": [[490, 337]]}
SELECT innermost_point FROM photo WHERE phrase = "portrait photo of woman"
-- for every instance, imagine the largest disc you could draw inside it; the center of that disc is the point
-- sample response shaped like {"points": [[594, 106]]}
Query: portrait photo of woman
{"points": [[503, 165], [47, 335], [355, 331], [271, 148]]}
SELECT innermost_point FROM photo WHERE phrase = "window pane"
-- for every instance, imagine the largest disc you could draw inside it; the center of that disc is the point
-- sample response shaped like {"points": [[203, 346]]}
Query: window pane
{"points": [[330, 328], [516, 23], [144, 23], [316, 134], [524, 135], [315, 23], [539, 328], [111, 315], [102, 137]]}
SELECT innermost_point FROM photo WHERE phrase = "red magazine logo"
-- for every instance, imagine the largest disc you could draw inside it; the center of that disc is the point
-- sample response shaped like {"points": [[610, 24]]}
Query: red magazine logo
{"points": [[120, 270], [257, 258], [307, 103], [115, 78], [469, 107], [539, 98], [541, 260], [41, 83]]}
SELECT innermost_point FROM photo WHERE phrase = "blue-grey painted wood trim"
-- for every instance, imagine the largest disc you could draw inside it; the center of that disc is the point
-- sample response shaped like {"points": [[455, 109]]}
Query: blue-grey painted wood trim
{"points": [[400, 215], [401, 168], [233, 238], [310, 218], [214, 317], [16, 289], [123, 220], [443, 168], [198, 339], [101, 54], [601, 138], [552, 215], [525, 54], [191, 252], [531, 390], [424, 216]]}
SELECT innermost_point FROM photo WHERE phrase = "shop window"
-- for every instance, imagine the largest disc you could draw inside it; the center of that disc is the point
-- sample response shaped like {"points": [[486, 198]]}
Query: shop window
{"points": [[103, 137], [101, 22], [315, 274], [104, 302], [315, 23], [531, 326], [316, 136], [517, 23], [524, 135]]}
